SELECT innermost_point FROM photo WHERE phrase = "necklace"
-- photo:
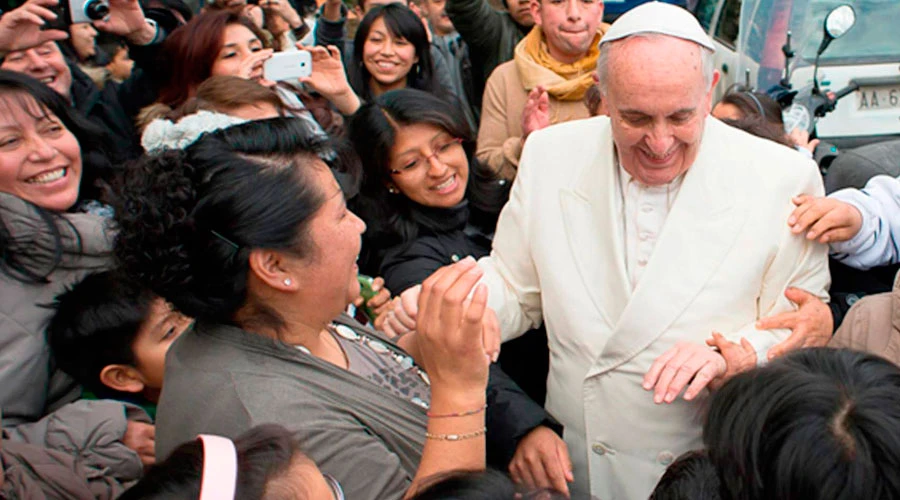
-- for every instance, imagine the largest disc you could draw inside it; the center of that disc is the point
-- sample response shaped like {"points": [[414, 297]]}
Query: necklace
{"points": [[405, 361]]}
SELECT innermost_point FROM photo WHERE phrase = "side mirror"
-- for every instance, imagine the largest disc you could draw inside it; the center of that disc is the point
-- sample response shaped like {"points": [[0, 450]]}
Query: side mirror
{"points": [[837, 23]]}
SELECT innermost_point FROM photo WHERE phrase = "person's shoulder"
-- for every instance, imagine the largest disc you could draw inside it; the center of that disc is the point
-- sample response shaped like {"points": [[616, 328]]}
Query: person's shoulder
{"points": [[575, 133], [504, 72], [763, 158]]}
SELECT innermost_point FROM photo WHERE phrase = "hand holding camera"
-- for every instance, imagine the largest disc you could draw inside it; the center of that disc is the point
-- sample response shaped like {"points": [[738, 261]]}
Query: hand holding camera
{"points": [[20, 29], [123, 17]]}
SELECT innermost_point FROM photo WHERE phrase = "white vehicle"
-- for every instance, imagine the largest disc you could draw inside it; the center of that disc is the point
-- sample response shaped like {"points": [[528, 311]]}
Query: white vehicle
{"points": [[749, 36]]}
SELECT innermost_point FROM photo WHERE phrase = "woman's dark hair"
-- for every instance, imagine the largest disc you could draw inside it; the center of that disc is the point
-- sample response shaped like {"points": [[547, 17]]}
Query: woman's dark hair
{"points": [[95, 172], [758, 126], [373, 130], [751, 103], [191, 51], [691, 477], [188, 219], [96, 168], [816, 424], [479, 485], [265, 453], [403, 23]]}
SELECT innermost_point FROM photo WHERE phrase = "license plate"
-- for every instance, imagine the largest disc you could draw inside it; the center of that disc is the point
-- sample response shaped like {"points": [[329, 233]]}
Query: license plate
{"points": [[878, 98]]}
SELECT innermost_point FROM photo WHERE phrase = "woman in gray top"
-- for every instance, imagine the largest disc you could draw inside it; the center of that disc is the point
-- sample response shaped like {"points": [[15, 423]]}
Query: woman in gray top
{"points": [[247, 231]]}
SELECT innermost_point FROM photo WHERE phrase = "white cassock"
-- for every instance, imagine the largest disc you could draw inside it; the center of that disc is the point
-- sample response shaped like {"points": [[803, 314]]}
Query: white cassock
{"points": [[718, 260]]}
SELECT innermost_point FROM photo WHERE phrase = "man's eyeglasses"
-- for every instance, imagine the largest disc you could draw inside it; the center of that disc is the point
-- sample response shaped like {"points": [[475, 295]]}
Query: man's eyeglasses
{"points": [[441, 149]]}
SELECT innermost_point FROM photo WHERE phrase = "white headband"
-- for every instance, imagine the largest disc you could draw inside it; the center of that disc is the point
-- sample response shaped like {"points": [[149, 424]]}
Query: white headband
{"points": [[220, 468], [162, 134]]}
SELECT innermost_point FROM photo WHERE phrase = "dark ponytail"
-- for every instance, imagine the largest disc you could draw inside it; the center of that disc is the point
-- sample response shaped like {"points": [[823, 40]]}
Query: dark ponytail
{"points": [[188, 219]]}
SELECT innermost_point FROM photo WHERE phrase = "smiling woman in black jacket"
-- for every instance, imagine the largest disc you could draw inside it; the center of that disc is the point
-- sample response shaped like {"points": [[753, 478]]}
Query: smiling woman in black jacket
{"points": [[428, 203]]}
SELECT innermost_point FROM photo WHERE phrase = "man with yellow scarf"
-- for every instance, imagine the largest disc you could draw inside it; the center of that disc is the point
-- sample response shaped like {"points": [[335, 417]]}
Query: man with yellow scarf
{"points": [[545, 82]]}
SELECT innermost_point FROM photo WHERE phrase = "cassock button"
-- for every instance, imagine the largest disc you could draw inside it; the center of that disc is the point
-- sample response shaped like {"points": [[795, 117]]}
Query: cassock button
{"points": [[598, 449], [665, 458]]}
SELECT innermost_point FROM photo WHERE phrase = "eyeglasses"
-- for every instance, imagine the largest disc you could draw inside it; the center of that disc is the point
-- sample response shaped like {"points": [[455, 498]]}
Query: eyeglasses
{"points": [[442, 150]]}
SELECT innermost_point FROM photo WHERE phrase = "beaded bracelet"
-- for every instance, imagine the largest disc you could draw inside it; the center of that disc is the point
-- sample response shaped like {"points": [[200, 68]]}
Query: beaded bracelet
{"points": [[457, 437], [463, 414]]}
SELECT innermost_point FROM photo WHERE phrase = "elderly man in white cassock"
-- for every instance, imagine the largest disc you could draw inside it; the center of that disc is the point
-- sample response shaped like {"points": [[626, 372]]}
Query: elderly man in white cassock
{"points": [[634, 237]]}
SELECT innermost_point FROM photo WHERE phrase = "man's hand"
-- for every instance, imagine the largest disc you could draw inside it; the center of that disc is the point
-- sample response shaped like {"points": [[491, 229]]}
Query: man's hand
{"points": [[542, 461], [401, 319], [20, 29], [685, 363], [811, 325], [126, 19], [738, 357], [828, 220], [284, 9], [141, 438], [536, 114], [255, 14]]}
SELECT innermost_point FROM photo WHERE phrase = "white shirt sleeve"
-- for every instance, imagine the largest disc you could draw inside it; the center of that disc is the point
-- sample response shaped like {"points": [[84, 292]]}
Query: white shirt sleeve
{"points": [[876, 243]]}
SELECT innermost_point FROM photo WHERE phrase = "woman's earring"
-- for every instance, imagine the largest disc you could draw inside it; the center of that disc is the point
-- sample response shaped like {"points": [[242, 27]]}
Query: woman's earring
{"points": [[392, 190], [287, 282]]}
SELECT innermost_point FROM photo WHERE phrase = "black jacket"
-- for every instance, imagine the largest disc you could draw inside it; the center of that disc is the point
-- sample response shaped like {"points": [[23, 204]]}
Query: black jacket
{"points": [[445, 235], [491, 35], [115, 107]]}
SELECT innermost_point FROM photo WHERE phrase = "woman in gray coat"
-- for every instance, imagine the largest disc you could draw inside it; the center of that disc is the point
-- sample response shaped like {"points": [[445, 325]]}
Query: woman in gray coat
{"points": [[47, 169], [248, 232]]}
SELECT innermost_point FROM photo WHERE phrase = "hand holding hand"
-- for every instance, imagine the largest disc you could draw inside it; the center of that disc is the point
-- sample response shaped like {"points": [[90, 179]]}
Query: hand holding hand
{"points": [[536, 114], [141, 437], [684, 364], [542, 461], [738, 357], [828, 220], [449, 329], [811, 325], [20, 28], [401, 318]]}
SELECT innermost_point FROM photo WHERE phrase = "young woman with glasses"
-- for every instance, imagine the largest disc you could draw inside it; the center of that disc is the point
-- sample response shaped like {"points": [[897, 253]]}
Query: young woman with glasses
{"points": [[427, 203]]}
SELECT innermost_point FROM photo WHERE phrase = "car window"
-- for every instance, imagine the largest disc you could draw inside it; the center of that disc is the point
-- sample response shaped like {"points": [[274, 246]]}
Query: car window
{"points": [[705, 10], [872, 39], [727, 27]]}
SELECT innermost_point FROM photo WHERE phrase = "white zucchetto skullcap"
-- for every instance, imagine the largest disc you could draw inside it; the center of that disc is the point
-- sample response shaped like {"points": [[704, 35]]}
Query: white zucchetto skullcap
{"points": [[661, 18]]}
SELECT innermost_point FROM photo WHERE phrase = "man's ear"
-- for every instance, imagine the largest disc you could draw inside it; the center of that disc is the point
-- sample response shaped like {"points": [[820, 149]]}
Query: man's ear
{"points": [[268, 266], [712, 90], [122, 378], [536, 12]]}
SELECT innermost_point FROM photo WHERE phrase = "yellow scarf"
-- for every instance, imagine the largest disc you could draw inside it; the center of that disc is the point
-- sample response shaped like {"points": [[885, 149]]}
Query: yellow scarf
{"points": [[566, 82]]}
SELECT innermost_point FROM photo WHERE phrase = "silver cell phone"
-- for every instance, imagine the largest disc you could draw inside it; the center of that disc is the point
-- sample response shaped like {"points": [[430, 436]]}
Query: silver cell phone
{"points": [[287, 66]]}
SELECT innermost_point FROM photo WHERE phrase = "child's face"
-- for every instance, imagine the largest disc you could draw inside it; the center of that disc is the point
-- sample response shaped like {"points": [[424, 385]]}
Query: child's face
{"points": [[162, 326], [121, 64]]}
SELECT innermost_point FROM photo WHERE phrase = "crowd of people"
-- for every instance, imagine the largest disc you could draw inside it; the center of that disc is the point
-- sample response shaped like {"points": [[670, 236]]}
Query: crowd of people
{"points": [[481, 250]]}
